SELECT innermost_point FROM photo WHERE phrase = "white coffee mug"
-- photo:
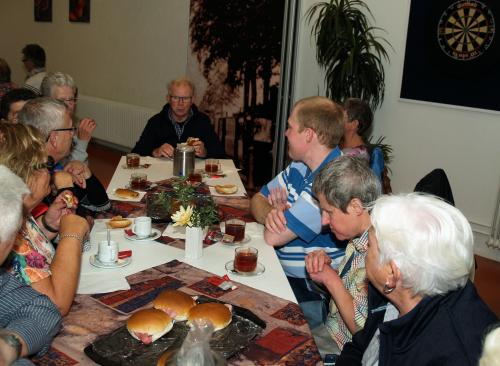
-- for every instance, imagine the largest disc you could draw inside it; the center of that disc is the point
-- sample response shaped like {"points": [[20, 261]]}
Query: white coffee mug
{"points": [[142, 227], [107, 252]]}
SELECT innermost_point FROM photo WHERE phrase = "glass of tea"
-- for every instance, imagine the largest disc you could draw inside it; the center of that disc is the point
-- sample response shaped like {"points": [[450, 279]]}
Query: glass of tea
{"points": [[133, 160], [195, 176], [235, 227], [245, 259], [138, 181], [212, 166]]}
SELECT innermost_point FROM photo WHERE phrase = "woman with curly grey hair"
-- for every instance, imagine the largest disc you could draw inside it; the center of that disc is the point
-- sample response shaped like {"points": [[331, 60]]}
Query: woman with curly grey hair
{"points": [[422, 307]]}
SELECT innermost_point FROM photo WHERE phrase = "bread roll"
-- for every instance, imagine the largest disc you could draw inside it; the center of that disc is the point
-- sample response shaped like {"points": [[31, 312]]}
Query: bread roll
{"points": [[118, 222], [126, 193], [148, 325], [226, 188], [63, 180], [218, 314], [191, 140], [175, 303]]}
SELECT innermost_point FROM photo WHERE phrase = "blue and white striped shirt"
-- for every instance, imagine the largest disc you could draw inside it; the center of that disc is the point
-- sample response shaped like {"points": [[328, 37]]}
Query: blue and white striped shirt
{"points": [[303, 218]]}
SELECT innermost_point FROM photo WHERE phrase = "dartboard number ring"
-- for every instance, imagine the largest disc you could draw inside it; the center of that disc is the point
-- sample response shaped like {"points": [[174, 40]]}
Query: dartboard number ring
{"points": [[466, 30]]}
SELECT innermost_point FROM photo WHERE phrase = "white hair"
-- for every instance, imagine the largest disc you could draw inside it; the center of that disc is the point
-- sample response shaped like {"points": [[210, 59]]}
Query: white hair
{"points": [[430, 241], [491, 349], [45, 114], [11, 203], [54, 79]]}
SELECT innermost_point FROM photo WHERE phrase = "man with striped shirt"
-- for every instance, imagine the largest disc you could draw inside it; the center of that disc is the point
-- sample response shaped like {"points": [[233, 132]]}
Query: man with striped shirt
{"points": [[28, 319], [287, 207]]}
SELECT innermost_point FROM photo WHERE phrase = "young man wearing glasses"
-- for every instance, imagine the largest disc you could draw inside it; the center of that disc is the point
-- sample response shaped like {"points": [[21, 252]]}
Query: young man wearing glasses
{"points": [[34, 63], [179, 120]]}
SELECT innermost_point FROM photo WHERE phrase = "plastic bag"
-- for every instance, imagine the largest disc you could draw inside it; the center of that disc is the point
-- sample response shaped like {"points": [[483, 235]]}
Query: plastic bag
{"points": [[195, 350]]}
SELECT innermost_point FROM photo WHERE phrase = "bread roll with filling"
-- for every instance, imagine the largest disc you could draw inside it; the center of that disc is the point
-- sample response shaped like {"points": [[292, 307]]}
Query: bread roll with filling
{"points": [[175, 303], [126, 193], [226, 188], [218, 314], [118, 222], [148, 325]]}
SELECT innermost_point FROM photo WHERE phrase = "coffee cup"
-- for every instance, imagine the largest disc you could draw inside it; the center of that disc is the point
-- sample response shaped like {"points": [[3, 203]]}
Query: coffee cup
{"points": [[138, 181], [212, 166], [107, 251], [142, 227], [245, 259], [236, 228], [133, 160]]}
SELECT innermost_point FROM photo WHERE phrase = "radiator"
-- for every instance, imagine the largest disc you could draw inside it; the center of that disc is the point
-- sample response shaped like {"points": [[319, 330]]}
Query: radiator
{"points": [[494, 239], [118, 123]]}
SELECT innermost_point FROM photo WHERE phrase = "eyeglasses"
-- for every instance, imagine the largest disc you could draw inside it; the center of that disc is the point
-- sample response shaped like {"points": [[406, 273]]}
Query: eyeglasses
{"points": [[175, 98], [49, 164], [68, 100], [65, 129]]}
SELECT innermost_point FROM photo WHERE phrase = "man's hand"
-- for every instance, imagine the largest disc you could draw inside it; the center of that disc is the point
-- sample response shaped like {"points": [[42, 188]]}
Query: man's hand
{"points": [[165, 150], [199, 149], [85, 129], [275, 221], [79, 171], [278, 198]]}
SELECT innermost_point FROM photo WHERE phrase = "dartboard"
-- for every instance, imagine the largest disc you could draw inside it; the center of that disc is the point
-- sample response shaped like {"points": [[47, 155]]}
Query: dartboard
{"points": [[466, 30]]}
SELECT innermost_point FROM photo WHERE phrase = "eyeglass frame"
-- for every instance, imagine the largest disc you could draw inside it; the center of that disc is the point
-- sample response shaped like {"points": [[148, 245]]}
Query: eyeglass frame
{"points": [[73, 129], [74, 100], [176, 98]]}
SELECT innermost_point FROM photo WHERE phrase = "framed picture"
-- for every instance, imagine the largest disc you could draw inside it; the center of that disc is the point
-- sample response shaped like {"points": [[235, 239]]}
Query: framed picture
{"points": [[452, 53], [79, 11], [43, 10]]}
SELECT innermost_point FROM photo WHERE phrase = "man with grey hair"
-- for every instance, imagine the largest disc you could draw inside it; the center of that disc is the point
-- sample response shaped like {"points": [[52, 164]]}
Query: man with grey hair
{"points": [[179, 121], [51, 117], [28, 320], [344, 187], [62, 87]]}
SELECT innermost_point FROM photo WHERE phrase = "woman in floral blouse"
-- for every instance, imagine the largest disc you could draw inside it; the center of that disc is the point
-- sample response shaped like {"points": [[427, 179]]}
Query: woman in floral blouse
{"points": [[33, 259]]}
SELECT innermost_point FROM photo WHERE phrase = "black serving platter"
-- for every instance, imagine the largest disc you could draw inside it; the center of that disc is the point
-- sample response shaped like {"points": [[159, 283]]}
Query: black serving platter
{"points": [[120, 348]]}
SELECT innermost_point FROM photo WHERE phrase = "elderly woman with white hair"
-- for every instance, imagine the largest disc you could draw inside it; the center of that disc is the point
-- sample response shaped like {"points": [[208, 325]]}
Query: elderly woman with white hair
{"points": [[422, 307]]}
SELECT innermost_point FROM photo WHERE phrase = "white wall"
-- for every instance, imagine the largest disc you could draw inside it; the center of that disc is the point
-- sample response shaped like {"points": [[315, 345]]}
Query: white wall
{"points": [[127, 52], [465, 143], [131, 48]]}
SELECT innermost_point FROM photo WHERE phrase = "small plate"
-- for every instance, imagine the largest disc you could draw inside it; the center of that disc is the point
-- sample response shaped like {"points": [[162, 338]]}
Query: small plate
{"points": [[141, 166], [155, 234], [118, 264], [245, 240], [258, 270]]}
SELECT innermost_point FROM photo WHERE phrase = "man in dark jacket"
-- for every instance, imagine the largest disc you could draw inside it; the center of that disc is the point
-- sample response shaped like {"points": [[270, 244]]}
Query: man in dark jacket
{"points": [[179, 121]]}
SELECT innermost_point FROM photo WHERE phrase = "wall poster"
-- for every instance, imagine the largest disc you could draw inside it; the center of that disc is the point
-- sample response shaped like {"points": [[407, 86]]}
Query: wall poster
{"points": [[235, 65], [43, 10], [453, 53], [79, 11]]}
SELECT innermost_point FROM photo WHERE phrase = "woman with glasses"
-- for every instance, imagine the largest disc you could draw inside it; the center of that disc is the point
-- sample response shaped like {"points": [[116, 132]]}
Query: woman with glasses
{"points": [[178, 121], [34, 260], [344, 188], [423, 308], [60, 86]]}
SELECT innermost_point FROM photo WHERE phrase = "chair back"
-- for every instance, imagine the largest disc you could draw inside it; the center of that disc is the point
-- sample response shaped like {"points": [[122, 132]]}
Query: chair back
{"points": [[436, 183]]}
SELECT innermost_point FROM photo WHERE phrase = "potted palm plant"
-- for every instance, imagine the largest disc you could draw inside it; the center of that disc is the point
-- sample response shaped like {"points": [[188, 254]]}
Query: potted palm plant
{"points": [[349, 51]]}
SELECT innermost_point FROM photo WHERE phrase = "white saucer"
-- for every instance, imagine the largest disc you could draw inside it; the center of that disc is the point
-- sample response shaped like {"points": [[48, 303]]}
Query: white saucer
{"points": [[245, 240], [119, 263], [155, 234], [260, 269]]}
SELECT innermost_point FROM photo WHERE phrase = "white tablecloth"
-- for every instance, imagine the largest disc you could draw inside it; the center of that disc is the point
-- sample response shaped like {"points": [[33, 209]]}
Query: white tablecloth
{"points": [[147, 254]]}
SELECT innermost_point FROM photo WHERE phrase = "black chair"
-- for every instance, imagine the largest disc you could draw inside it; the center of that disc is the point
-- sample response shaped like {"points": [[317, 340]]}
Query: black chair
{"points": [[436, 183]]}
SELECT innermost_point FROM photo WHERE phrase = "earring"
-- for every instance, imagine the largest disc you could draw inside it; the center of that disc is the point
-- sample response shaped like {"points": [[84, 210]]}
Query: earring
{"points": [[387, 289]]}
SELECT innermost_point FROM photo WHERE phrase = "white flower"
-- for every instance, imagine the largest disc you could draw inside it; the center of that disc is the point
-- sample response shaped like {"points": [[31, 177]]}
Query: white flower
{"points": [[183, 216]]}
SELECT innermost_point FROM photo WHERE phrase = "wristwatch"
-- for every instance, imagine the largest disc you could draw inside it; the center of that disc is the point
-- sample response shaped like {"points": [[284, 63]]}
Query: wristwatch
{"points": [[13, 342]]}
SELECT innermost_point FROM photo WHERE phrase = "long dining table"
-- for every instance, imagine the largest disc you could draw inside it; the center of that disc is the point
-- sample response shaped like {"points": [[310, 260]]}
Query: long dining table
{"points": [[106, 297]]}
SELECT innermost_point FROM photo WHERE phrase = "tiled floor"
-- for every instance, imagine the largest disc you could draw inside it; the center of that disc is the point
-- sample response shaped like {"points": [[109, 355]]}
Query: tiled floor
{"points": [[103, 162]]}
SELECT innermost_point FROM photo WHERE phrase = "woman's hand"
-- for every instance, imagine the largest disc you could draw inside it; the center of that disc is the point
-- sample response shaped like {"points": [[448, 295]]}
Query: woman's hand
{"points": [[74, 224], [59, 208], [316, 261], [79, 171]]}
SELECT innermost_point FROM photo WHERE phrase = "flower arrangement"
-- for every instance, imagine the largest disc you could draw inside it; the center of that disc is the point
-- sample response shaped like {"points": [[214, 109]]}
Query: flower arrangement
{"points": [[195, 210]]}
